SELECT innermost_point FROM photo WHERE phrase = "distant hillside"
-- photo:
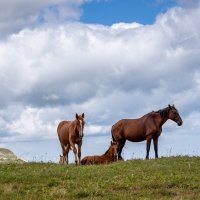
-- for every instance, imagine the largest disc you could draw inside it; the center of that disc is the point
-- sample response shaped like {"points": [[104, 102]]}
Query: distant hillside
{"points": [[7, 156]]}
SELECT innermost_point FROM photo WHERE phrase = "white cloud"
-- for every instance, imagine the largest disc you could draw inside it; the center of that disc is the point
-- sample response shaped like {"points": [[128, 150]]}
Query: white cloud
{"points": [[124, 26], [96, 129], [31, 125]]}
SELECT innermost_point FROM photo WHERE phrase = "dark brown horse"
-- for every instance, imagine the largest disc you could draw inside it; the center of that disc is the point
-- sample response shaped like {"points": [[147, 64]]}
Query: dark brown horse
{"points": [[109, 156], [69, 134], [146, 128]]}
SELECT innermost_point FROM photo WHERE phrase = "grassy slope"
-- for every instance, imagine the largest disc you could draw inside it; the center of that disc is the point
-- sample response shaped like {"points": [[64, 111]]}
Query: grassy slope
{"points": [[165, 178]]}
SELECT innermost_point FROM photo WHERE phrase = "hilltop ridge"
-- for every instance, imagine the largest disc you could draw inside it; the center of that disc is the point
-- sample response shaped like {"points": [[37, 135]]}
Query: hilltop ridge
{"points": [[7, 156]]}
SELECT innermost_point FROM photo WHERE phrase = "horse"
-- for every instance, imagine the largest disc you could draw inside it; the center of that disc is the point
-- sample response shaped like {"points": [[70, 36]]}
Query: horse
{"points": [[109, 156], [69, 134], [147, 127]]}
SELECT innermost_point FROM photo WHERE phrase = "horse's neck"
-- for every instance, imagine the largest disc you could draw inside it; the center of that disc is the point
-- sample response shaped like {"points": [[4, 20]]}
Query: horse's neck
{"points": [[73, 125], [73, 133], [163, 115], [162, 120], [108, 154]]}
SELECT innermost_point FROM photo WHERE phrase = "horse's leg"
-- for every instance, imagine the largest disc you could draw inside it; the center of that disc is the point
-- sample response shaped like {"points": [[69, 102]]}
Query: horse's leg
{"points": [[67, 153], [79, 153], [63, 154], [75, 151], [120, 147], [148, 147], [155, 142]]}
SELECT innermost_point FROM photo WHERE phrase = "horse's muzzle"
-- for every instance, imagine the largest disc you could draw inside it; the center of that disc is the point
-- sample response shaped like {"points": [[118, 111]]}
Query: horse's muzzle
{"points": [[81, 137], [180, 123], [115, 157]]}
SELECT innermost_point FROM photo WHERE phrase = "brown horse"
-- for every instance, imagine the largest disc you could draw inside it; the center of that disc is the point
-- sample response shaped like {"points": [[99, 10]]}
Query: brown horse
{"points": [[146, 128], [109, 156], [69, 134]]}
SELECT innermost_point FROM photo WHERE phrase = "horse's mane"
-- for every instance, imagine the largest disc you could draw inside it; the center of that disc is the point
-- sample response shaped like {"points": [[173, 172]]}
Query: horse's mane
{"points": [[163, 112], [106, 151], [109, 149]]}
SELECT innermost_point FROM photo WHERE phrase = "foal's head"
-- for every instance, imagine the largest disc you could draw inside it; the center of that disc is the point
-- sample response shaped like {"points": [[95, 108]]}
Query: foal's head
{"points": [[113, 150], [62, 160], [80, 124], [173, 114]]}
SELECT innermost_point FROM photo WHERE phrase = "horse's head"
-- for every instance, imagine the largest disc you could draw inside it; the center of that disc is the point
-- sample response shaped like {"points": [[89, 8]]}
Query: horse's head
{"points": [[114, 148], [62, 159], [174, 115], [80, 124]]}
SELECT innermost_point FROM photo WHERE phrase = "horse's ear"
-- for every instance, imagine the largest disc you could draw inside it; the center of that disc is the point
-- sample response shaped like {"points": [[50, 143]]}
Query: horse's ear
{"points": [[76, 116], [83, 115], [169, 106]]}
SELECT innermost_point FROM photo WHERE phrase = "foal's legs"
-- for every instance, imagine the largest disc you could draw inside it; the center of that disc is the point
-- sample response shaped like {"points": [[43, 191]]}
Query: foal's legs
{"points": [[148, 147], [62, 158], [67, 152], [121, 144], [155, 142]]}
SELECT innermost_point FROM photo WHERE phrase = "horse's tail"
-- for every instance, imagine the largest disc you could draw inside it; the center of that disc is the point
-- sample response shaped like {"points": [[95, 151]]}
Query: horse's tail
{"points": [[117, 130], [112, 133], [84, 161]]}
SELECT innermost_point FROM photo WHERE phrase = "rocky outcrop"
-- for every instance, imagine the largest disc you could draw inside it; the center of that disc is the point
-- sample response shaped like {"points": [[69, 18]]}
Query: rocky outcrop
{"points": [[7, 156]]}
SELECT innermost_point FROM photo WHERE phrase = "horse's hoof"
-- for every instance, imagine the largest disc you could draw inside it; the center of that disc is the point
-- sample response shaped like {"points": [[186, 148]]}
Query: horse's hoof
{"points": [[120, 159]]}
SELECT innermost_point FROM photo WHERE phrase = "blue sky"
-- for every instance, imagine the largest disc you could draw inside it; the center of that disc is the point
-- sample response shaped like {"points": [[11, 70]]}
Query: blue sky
{"points": [[90, 56], [115, 11]]}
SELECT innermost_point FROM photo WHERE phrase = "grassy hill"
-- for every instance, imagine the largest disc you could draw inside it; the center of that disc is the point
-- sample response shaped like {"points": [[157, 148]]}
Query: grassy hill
{"points": [[7, 156], [164, 178]]}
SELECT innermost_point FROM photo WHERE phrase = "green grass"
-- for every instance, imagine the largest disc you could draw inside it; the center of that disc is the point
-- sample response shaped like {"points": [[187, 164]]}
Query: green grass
{"points": [[164, 178]]}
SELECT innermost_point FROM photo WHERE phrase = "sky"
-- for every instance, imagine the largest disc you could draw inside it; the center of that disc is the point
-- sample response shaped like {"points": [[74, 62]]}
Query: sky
{"points": [[109, 59]]}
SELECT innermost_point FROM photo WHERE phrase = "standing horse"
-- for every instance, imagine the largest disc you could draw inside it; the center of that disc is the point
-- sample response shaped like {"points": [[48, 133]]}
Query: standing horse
{"points": [[69, 134], [146, 128], [109, 156]]}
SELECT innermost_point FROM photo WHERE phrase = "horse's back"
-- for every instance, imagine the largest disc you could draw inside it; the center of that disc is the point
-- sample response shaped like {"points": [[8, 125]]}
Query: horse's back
{"points": [[120, 128], [60, 125], [93, 160], [130, 129], [88, 160], [62, 131]]}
